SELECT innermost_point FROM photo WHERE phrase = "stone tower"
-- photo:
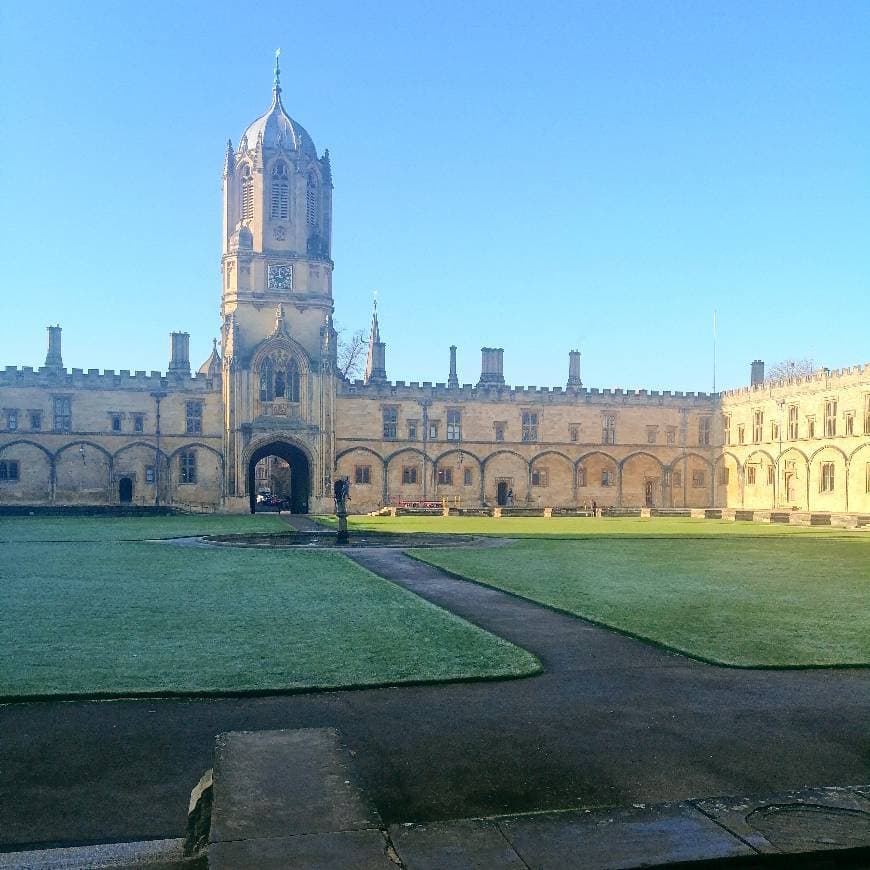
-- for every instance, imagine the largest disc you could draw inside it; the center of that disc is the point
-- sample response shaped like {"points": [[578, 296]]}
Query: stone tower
{"points": [[276, 304]]}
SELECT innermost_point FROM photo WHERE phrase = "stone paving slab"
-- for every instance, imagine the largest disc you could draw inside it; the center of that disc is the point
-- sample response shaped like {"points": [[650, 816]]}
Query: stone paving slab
{"points": [[283, 783], [348, 850], [621, 838], [146, 855], [808, 820], [467, 844]]}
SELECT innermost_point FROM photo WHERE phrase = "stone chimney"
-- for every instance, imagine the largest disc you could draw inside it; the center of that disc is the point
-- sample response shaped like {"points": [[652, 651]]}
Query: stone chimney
{"points": [[491, 365], [179, 360], [574, 369], [54, 359], [757, 376], [452, 379]]}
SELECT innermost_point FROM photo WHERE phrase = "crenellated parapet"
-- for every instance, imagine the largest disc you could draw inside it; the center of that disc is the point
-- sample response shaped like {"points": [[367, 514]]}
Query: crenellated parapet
{"points": [[417, 391], [108, 379], [822, 379]]}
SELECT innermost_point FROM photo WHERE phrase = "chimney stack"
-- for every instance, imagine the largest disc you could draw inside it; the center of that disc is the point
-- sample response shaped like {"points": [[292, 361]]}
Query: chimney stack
{"points": [[53, 358], [574, 369], [491, 365], [757, 377], [452, 380], [179, 360]]}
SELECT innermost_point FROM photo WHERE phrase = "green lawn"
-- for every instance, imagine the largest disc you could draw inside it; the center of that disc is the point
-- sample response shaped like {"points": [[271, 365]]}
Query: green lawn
{"points": [[780, 601], [127, 618], [580, 527], [135, 528]]}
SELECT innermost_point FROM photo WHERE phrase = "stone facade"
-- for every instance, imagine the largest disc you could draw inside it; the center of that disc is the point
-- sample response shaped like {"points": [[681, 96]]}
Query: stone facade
{"points": [[76, 437]]}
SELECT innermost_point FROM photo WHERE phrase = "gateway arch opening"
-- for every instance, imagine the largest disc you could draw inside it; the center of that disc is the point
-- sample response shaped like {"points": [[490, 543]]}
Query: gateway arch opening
{"points": [[279, 475]]}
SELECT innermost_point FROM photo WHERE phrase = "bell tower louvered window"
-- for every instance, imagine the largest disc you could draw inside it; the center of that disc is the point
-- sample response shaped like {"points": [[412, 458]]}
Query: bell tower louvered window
{"points": [[280, 192], [312, 209], [247, 194]]}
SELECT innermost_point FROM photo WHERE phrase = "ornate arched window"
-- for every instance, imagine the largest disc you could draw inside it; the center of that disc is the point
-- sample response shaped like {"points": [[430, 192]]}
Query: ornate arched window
{"points": [[280, 384], [247, 193], [280, 191], [292, 381], [266, 380], [312, 200]]}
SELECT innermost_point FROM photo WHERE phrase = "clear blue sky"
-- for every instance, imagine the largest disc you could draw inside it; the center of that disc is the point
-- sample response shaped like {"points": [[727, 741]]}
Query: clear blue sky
{"points": [[537, 176]]}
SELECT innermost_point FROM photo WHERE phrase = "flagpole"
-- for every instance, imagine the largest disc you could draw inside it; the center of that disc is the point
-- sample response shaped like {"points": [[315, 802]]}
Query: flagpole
{"points": [[714, 350]]}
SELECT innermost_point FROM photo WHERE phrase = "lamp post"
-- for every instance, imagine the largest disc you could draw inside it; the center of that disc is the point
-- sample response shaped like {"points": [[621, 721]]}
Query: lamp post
{"points": [[157, 396]]}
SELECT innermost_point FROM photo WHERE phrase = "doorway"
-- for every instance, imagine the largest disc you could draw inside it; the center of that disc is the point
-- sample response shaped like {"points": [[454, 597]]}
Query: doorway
{"points": [[299, 476], [501, 493], [125, 490], [649, 493]]}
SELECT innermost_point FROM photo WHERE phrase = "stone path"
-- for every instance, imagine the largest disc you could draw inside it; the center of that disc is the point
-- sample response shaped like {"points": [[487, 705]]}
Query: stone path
{"points": [[612, 721]]}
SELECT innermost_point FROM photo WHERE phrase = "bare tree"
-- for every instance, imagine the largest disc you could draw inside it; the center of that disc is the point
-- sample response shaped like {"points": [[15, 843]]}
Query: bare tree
{"points": [[351, 352], [790, 368]]}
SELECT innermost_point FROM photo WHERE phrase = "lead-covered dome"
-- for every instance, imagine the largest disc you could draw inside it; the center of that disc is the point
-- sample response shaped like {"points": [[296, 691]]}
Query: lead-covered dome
{"points": [[277, 128]]}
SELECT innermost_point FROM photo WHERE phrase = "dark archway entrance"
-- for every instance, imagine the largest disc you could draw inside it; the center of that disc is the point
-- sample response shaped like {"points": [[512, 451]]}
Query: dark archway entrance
{"points": [[125, 490], [300, 473]]}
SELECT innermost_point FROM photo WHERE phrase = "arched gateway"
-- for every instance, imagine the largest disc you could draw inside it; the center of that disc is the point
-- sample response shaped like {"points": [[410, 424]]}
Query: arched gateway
{"points": [[300, 473]]}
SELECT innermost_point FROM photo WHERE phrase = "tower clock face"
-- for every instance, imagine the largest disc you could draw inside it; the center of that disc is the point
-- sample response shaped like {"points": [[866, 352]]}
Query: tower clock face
{"points": [[280, 276]]}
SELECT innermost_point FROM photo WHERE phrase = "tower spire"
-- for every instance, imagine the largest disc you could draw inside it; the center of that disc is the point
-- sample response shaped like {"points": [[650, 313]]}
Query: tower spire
{"points": [[376, 365]]}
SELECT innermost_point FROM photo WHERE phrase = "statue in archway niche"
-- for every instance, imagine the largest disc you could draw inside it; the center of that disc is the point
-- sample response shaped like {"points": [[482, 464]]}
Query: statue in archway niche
{"points": [[341, 491]]}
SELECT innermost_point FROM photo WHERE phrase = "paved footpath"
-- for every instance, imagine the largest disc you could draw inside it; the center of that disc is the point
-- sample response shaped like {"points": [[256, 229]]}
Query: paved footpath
{"points": [[612, 721]]}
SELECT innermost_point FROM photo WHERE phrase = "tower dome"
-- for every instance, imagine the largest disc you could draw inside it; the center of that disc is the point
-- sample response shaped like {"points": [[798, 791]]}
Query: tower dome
{"points": [[276, 129]]}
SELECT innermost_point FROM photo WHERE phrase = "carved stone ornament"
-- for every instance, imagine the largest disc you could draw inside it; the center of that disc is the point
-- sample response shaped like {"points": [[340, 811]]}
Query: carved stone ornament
{"points": [[280, 233]]}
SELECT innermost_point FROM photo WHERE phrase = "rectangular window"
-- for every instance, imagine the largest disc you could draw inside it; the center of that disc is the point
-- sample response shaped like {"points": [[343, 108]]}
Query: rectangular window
{"points": [[362, 474], [724, 475], [412, 430], [116, 422], [574, 433], [539, 477], [867, 477], [671, 435], [11, 419], [138, 423], [652, 434], [867, 414], [757, 427], [454, 426], [774, 430], [811, 427], [849, 420], [409, 474], [770, 474], [581, 476], [467, 477], [792, 422], [606, 477], [741, 434], [826, 482], [666, 477], [608, 430], [698, 479], [678, 478], [726, 428], [62, 415], [9, 469], [149, 474], [36, 420], [750, 474], [830, 418], [433, 430], [187, 464], [194, 418], [445, 476], [704, 431], [499, 431], [391, 423], [530, 426]]}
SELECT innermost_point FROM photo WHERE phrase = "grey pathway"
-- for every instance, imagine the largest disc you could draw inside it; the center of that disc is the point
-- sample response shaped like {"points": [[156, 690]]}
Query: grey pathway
{"points": [[613, 721]]}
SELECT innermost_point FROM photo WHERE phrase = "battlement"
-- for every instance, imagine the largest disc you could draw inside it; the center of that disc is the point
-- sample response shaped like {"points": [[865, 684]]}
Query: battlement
{"points": [[825, 379], [94, 379], [416, 391]]}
